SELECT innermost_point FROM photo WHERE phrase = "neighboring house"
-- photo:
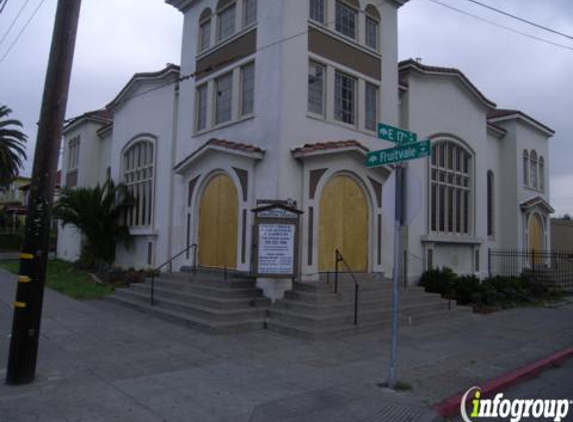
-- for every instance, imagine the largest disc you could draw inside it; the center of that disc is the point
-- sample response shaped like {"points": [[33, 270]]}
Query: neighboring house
{"points": [[562, 235], [261, 120], [12, 202]]}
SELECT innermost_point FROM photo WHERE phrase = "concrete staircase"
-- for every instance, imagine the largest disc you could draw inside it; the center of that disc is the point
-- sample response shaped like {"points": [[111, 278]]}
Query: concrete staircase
{"points": [[208, 301], [221, 304], [313, 311]]}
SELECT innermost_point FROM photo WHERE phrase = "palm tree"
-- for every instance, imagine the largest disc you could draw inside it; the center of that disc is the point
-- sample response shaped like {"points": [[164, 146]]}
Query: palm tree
{"points": [[97, 213], [12, 151]]}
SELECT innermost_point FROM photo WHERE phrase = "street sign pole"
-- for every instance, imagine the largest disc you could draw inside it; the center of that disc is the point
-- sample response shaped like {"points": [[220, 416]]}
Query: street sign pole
{"points": [[396, 275]]}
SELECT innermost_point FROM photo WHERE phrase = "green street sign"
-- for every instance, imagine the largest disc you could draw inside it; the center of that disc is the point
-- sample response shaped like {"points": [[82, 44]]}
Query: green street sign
{"points": [[405, 152], [395, 134]]}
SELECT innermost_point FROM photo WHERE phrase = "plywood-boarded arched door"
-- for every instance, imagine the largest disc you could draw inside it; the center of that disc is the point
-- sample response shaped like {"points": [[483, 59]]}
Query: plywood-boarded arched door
{"points": [[343, 224], [218, 223], [535, 233]]}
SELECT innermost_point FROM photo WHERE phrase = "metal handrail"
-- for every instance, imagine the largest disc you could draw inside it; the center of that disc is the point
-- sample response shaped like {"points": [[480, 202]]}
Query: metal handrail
{"points": [[340, 258], [169, 261]]}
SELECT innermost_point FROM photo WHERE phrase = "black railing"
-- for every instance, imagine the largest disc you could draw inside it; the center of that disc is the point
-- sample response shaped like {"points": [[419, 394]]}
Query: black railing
{"points": [[340, 259], [169, 261], [554, 268]]}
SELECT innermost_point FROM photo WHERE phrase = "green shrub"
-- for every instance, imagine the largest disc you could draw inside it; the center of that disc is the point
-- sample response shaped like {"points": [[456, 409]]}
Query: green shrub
{"points": [[439, 281], [11, 242], [465, 289]]}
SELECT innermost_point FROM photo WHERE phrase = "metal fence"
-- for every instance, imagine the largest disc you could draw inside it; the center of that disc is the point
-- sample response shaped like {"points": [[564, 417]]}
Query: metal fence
{"points": [[550, 267]]}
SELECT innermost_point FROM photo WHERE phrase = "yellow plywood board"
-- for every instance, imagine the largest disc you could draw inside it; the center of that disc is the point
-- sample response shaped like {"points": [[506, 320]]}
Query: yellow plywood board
{"points": [[535, 233], [218, 223], [343, 224]]}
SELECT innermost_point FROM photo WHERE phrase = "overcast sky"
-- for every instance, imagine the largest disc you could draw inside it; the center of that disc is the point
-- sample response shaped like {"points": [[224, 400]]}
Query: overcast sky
{"points": [[117, 38]]}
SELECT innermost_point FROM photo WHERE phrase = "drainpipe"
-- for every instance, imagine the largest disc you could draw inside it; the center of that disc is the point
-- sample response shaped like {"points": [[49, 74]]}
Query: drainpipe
{"points": [[172, 176]]}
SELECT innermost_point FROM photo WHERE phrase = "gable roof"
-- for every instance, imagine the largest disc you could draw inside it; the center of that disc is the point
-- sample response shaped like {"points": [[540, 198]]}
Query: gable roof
{"points": [[538, 201], [329, 146], [238, 148], [170, 71], [102, 116], [501, 114], [412, 65]]}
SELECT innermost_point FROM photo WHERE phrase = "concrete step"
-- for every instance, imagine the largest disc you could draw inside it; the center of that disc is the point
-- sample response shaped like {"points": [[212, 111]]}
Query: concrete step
{"points": [[193, 297], [206, 289], [208, 280], [343, 330], [204, 312], [348, 296], [214, 273], [346, 286], [186, 320], [364, 303], [329, 319]]}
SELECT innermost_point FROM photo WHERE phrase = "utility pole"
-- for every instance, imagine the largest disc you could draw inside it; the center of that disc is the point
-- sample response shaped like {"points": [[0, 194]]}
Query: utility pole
{"points": [[33, 259]]}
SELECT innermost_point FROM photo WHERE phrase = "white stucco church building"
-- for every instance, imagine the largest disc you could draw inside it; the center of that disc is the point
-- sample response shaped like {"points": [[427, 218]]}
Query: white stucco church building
{"points": [[279, 100]]}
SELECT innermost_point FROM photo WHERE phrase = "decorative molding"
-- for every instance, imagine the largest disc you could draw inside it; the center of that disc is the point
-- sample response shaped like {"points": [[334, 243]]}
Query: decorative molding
{"points": [[313, 179]]}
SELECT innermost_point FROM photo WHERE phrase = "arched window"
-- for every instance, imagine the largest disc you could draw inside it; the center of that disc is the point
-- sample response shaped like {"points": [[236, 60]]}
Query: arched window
{"points": [[490, 204], [205, 30], [541, 174], [450, 192], [138, 169], [525, 167], [372, 22], [533, 169]]}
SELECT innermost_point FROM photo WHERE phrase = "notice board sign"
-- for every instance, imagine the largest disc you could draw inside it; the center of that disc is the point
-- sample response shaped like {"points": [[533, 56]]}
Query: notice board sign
{"points": [[275, 241], [276, 248]]}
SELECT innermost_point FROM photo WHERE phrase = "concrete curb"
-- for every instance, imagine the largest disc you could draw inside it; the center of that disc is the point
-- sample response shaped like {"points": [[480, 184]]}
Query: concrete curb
{"points": [[451, 406]]}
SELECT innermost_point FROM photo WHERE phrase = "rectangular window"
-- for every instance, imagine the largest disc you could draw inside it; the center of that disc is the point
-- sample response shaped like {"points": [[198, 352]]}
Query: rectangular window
{"points": [[247, 89], [371, 97], [345, 98], [226, 23], [316, 74], [223, 98], [73, 153], [346, 20], [205, 36], [250, 12], [371, 33], [317, 10], [201, 107]]}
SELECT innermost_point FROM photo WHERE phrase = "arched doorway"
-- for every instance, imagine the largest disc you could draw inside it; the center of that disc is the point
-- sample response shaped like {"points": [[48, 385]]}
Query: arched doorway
{"points": [[535, 227], [218, 223], [343, 224]]}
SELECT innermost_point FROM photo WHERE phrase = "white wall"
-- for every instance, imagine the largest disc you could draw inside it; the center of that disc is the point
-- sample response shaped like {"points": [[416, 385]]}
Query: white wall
{"points": [[440, 107], [149, 116]]}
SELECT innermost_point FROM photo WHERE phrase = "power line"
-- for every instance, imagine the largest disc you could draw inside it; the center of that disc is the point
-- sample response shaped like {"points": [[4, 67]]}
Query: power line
{"points": [[14, 21], [221, 64], [521, 19], [213, 67], [3, 6], [22, 30], [525, 34]]}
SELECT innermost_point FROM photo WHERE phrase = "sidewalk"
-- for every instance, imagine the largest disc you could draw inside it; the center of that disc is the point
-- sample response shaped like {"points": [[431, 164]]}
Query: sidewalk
{"points": [[100, 362]]}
